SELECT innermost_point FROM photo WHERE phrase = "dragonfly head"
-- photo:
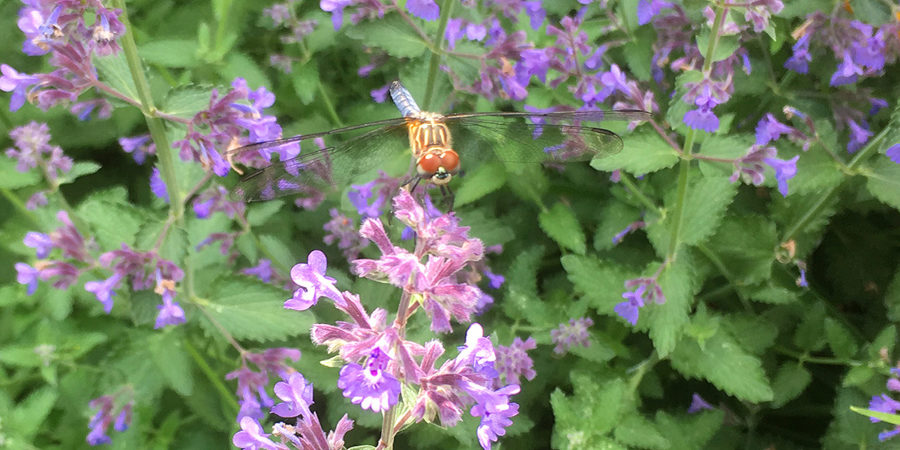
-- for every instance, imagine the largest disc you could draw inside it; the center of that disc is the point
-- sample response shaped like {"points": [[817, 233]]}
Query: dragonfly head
{"points": [[441, 177], [438, 165]]}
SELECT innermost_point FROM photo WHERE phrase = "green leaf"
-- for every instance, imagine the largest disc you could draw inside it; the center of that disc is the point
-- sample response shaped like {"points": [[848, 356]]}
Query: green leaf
{"points": [[667, 321], [705, 205], [729, 146], [601, 282], [816, 171], [306, 82], [811, 329], [839, 339], [579, 422], [521, 300], [277, 250], [113, 69], [259, 213], [481, 181], [13, 179], [636, 431], [689, 431], [790, 381], [29, 415], [614, 219], [172, 361], [187, 101], [645, 152], [240, 65], [747, 260], [889, 418], [725, 364], [560, 223], [725, 46], [390, 34], [80, 168], [884, 182], [171, 52], [249, 309], [857, 376], [113, 223], [755, 333]]}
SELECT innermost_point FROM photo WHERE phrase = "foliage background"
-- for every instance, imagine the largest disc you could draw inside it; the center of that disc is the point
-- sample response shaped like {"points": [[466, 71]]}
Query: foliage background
{"points": [[781, 364]]}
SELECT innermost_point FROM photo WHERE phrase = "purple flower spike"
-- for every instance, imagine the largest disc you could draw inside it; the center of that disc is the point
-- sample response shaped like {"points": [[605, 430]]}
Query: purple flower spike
{"points": [[894, 153], [859, 134], [252, 437], [41, 242], [698, 404], [313, 283], [297, 394], [575, 332], [371, 388], [336, 8], [424, 9], [28, 276], [513, 361], [784, 170], [104, 290], [18, 84]]}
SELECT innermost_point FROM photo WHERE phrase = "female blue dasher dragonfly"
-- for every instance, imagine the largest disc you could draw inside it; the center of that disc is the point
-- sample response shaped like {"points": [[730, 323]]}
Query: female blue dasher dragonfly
{"points": [[509, 137]]}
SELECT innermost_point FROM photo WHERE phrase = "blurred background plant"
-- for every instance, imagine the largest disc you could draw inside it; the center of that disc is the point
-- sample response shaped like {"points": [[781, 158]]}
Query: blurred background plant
{"points": [[728, 280]]}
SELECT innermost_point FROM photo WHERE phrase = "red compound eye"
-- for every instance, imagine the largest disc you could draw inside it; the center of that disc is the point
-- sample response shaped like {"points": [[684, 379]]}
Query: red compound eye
{"points": [[450, 161], [429, 164]]}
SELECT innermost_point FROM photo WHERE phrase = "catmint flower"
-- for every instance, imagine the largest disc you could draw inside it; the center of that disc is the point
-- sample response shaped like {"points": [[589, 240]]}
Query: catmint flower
{"points": [[372, 387], [37, 200], [336, 8], [568, 335], [297, 394], [647, 9], [263, 270], [784, 170], [698, 404], [359, 196], [104, 418], [216, 199], [645, 290], [513, 361], [170, 312], [859, 134], [313, 283], [158, 186], [750, 167], [28, 276], [18, 84], [629, 229], [770, 129], [138, 146], [103, 290], [424, 9], [342, 229], [252, 436], [40, 242], [893, 153]]}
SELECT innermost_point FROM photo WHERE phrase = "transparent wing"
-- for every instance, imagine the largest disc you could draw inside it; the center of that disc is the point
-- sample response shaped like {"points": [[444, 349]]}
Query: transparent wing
{"points": [[343, 162], [521, 137]]}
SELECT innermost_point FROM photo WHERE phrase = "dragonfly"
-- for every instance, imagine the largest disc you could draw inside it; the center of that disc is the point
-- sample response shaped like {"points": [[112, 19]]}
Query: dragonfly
{"points": [[441, 145]]}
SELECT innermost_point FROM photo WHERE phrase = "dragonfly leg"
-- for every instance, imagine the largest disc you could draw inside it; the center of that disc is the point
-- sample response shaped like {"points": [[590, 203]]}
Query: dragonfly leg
{"points": [[447, 198]]}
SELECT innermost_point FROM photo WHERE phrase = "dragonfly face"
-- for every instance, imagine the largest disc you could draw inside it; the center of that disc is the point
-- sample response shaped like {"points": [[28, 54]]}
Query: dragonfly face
{"points": [[508, 137]]}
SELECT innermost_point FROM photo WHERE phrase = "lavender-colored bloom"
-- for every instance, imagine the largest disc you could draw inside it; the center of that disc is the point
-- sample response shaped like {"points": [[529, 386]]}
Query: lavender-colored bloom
{"points": [[104, 418], [18, 84], [571, 334], [424, 9], [883, 403], [359, 196], [893, 153], [336, 8], [750, 167], [513, 361], [698, 404], [784, 170], [342, 229], [493, 425], [630, 308], [123, 420], [372, 387], [893, 384], [139, 147], [313, 283], [630, 228], [801, 281], [217, 199], [104, 290], [170, 312], [453, 32], [297, 394], [758, 13], [885, 435], [647, 9], [41, 242], [475, 31], [770, 129], [495, 280], [846, 72], [702, 119], [36, 200], [28, 276], [536, 13], [263, 270], [252, 436], [158, 186], [859, 135]]}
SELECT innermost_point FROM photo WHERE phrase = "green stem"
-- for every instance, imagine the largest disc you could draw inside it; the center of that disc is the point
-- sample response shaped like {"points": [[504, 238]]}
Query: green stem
{"points": [[329, 106], [434, 64], [629, 184], [17, 203], [214, 378]]}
